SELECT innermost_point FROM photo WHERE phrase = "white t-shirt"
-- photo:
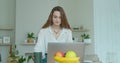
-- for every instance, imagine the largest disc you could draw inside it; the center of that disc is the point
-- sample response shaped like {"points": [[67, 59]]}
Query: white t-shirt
{"points": [[46, 35]]}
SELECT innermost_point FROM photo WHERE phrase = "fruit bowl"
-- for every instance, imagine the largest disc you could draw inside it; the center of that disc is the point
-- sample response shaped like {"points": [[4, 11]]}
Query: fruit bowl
{"points": [[67, 60]]}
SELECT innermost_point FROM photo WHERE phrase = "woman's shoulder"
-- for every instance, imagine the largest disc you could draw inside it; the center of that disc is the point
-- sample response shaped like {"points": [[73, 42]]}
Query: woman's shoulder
{"points": [[67, 30], [44, 29]]}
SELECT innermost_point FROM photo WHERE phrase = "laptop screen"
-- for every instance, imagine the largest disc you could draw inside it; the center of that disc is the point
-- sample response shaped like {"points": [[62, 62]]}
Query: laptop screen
{"points": [[77, 47]]}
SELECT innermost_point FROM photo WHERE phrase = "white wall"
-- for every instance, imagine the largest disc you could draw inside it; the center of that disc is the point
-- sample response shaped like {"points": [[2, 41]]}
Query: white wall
{"points": [[7, 13], [107, 30]]}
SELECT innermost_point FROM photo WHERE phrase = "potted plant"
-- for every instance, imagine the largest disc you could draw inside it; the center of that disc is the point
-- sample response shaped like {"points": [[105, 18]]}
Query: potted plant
{"points": [[30, 37], [86, 38], [14, 58]]}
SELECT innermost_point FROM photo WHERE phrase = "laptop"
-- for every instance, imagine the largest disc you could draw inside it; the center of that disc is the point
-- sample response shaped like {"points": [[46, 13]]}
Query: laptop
{"points": [[77, 47]]}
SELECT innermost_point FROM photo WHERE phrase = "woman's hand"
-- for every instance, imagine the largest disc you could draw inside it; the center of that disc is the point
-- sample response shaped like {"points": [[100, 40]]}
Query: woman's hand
{"points": [[33, 57]]}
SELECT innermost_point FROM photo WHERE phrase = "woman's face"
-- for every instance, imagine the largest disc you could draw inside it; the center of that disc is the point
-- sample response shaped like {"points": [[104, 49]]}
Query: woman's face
{"points": [[56, 18]]}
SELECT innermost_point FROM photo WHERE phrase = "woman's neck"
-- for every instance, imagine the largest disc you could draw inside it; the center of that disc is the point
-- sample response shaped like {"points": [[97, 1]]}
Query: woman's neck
{"points": [[56, 27], [56, 30]]}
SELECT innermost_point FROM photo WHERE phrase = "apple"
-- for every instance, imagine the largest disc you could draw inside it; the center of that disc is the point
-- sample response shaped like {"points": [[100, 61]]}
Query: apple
{"points": [[59, 54], [70, 54]]}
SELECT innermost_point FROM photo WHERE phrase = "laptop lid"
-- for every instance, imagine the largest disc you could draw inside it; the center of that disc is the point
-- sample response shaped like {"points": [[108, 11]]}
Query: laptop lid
{"points": [[78, 47]]}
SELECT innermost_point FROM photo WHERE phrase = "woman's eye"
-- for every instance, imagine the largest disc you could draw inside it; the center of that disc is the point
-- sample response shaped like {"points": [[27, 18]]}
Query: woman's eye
{"points": [[55, 16]]}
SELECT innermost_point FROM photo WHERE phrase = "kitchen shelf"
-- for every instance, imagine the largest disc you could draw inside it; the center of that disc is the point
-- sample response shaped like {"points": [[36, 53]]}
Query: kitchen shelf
{"points": [[6, 28], [83, 30], [28, 43], [5, 44]]}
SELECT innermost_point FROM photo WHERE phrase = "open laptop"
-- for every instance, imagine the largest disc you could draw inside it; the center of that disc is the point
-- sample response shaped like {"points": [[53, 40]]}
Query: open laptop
{"points": [[78, 47]]}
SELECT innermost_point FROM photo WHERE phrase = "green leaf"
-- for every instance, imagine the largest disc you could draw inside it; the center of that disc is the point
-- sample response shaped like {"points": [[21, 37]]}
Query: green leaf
{"points": [[85, 36], [30, 35]]}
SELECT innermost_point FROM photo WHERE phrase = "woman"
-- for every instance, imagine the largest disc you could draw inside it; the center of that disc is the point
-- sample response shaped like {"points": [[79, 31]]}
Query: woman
{"points": [[56, 29]]}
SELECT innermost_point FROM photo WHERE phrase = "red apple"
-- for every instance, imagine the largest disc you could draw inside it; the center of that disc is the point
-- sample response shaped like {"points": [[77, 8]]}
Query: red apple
{"points": [[59, 54]]}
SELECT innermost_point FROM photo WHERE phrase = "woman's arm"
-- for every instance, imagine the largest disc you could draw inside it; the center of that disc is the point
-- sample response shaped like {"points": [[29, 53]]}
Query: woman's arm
{"points": [[40, 45]]}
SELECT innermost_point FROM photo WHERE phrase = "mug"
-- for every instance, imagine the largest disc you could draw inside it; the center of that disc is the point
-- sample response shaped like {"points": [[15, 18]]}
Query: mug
{"points": [[37, 57]]}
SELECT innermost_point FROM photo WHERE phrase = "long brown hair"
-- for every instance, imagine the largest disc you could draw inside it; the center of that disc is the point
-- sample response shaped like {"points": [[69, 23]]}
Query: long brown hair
{"points": [[64, 22]]}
